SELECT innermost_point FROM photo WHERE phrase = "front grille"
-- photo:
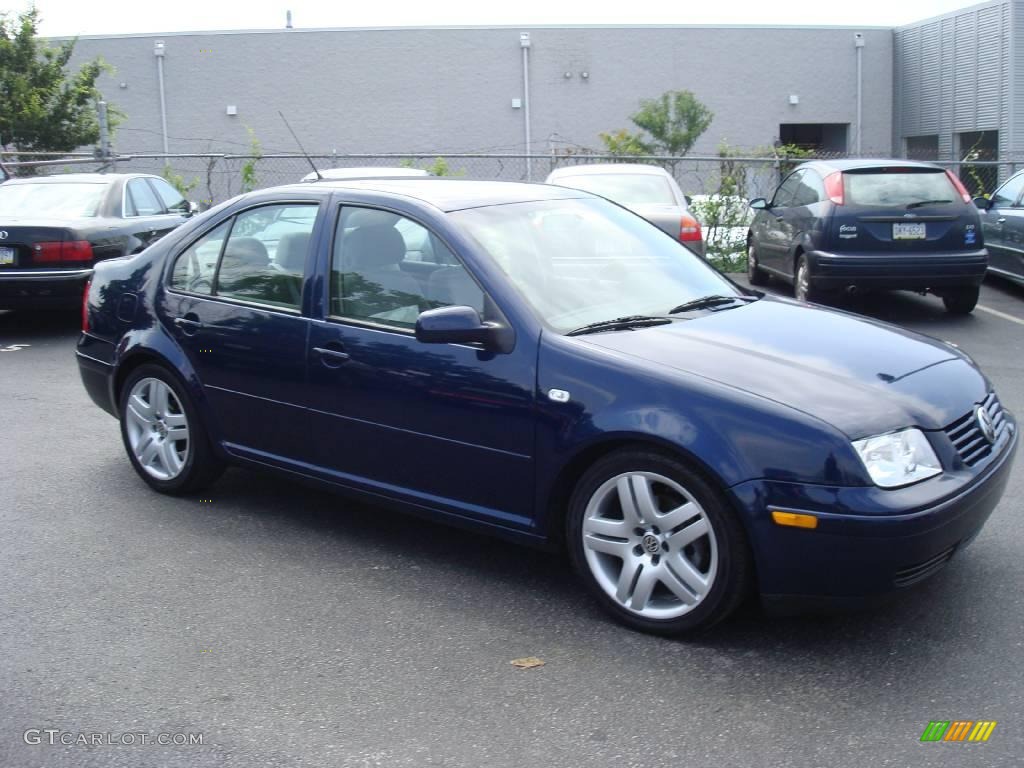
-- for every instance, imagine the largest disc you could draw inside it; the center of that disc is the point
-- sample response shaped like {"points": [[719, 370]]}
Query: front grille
{"points": [[966, 434], [915, 573]]}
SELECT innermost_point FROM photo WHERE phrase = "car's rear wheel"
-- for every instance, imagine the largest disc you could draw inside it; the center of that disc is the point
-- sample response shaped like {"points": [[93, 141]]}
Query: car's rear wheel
{"points": [[165, 440], [803, 289], [755, 275], [961, 301], [656, 544]]}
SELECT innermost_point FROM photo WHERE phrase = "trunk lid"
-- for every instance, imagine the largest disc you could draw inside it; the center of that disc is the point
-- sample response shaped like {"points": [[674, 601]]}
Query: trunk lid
{"points": [[18, 247]]}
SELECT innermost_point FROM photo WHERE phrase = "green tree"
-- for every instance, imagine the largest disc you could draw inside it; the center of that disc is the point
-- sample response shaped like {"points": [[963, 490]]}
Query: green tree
{"points": [[249, 179], [42, 106], [669, 125]]}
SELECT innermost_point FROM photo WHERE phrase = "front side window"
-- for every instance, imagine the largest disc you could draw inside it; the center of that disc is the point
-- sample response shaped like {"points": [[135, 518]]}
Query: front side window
{"points": [[140, 200], [811, 190], [1008, 194], [170, 197], [258, 256], [375, 274], [786, 194], [585, 260]]}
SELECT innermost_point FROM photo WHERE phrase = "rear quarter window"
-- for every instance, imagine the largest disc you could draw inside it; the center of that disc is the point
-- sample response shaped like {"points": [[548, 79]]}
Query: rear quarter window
{"points": [[888, 189]]}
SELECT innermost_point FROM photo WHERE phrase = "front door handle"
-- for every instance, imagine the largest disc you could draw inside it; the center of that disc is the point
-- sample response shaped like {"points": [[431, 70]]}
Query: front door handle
{"points": [[189, 324], [331, 358], [1001, 220]]}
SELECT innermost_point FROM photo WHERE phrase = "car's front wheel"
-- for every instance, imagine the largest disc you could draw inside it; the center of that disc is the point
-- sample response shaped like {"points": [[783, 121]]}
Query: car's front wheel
{"points": [[162, 433], [755, 275], [961, 301], [656, 544]]}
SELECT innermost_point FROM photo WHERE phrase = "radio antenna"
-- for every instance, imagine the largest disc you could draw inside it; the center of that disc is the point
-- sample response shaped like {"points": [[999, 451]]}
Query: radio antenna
{"points": [[305, 154]]}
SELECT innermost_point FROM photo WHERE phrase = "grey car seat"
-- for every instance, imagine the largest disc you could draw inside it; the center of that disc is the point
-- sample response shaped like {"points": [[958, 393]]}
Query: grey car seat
{"points": [[371, 281]]}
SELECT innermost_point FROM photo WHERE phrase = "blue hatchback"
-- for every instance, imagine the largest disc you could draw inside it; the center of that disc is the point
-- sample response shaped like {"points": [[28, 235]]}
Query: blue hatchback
{"points": [[542, 364]]}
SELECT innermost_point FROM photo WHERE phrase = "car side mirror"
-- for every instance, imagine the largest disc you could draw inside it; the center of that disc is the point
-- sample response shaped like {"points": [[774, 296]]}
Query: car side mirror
{"points": [[462, 325], [193, 208], [983, 203], [759, 204], [688, 199]]}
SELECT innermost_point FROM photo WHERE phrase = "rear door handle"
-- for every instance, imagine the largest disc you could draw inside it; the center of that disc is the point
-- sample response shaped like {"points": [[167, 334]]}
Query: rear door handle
{"points": [[189, 324], [331, 358]]}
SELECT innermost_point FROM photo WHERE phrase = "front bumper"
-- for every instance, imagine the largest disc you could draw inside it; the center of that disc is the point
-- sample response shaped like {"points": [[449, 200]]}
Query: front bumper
{"points": [[850, 558], [889, 271], [42, 288]]}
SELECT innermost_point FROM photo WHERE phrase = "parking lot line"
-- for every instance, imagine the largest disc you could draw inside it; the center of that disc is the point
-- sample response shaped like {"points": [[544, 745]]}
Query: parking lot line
{"points": [[1003, 315]]}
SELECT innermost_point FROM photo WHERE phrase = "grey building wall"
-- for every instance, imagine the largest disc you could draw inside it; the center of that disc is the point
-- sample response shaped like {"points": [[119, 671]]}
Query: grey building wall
{"points": [[451, 90], [962, 72]]}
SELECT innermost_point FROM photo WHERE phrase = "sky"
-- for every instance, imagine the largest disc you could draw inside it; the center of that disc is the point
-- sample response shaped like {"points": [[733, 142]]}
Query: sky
{"points": [[74, 17]]}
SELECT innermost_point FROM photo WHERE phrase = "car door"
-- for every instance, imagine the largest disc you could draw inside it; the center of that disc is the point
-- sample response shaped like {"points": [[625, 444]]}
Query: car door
{"points": [[144, 212], [776, 234], [1002, 226], [234, 304], [446, 425]]}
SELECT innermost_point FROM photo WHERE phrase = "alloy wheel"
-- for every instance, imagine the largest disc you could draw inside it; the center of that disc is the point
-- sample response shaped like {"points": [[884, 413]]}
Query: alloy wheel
{"points": [[157, 429], [649, 545]]}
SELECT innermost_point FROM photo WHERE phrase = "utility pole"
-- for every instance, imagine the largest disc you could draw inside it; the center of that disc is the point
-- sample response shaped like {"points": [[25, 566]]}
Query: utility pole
{"points": [[104, 121]]}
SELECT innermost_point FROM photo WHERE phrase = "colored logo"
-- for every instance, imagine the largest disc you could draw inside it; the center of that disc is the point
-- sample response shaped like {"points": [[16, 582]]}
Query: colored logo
{"points": [[958, 730]]}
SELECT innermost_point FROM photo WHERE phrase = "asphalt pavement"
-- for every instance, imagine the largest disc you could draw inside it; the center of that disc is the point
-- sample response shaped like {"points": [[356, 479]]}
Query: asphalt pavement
{"points": [[284, 626]]}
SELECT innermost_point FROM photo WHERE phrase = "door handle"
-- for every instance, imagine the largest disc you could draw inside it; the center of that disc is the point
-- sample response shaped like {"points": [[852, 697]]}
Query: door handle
{"points": [[331, 358], [189, 325], [1001, 220]]}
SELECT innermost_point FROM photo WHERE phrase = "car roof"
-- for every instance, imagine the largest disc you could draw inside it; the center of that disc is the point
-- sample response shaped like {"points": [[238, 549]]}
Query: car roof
{"points": [[608, 168], [450, 194], [80, 178], [849, 164], [364, 173]]}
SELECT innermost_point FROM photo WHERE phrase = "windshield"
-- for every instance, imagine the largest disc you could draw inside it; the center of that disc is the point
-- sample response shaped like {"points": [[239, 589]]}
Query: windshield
{"points": [[581, 261], [59, 201], [624, 188], [888, 188]]}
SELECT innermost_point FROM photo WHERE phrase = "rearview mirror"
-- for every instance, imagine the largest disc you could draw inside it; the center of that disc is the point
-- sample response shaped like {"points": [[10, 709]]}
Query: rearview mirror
{"points": [[758, 203], [462, 325], [983, 203]]}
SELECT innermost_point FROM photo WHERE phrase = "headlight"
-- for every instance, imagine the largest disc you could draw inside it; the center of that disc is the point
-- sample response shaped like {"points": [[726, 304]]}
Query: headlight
{"points": [[899, 458]]}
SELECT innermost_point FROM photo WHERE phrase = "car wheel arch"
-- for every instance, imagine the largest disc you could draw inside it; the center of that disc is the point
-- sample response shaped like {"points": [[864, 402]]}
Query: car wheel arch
{"points": [[556, 501]]}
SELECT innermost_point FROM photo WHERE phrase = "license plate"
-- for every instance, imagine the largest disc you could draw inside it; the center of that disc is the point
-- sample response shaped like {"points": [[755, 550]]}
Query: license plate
{"points": [[907, 231], [6, 256]]}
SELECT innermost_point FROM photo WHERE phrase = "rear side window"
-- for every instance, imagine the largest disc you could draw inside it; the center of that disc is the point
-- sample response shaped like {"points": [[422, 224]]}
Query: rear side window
{"points": [[886, 189]]}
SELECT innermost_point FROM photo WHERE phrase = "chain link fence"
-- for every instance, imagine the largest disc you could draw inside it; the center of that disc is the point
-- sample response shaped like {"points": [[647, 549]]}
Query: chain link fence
{"points": [[718, 186]]}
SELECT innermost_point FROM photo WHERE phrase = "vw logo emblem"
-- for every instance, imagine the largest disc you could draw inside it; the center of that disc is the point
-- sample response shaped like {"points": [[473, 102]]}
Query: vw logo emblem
{"points": [[3, 234], [988, 429], [651, 544]]}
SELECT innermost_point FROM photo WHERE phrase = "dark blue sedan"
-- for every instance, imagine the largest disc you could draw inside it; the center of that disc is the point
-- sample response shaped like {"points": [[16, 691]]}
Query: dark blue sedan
{"points": [[542, 364]]}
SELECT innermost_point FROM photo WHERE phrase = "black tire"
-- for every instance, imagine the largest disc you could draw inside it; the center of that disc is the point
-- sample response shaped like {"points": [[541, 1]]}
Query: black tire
{"points": [[961, 301], [733, 572], [201, 466], [755, 275], [806, 291]]}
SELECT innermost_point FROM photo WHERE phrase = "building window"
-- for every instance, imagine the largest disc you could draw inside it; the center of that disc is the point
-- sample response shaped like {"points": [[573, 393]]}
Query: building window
{"points": [[820, 138], [982, 146], [922, 147]]}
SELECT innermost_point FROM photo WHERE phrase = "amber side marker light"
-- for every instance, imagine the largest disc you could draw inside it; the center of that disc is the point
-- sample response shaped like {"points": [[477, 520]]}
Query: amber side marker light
{"points": [[794, 519]]}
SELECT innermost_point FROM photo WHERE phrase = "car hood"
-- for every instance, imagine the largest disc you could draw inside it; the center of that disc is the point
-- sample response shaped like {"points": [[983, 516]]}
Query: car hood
{"points": [[863, 377]]}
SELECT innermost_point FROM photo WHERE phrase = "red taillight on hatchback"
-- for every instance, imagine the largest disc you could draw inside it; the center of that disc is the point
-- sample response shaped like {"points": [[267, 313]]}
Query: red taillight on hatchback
{"points": [[960, 188], [689, 229], [63, 251], [834, 187], [85, 306]]}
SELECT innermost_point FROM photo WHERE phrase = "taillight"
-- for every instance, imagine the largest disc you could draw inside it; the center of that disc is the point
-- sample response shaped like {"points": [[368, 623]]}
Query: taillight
{"points": [[85, 306], [66, 250], [689, 229], [959, 186], [834, 187]]}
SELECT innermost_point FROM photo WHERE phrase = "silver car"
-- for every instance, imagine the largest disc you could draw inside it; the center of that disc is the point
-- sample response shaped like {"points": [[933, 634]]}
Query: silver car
{"points": [[647, 190]]}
